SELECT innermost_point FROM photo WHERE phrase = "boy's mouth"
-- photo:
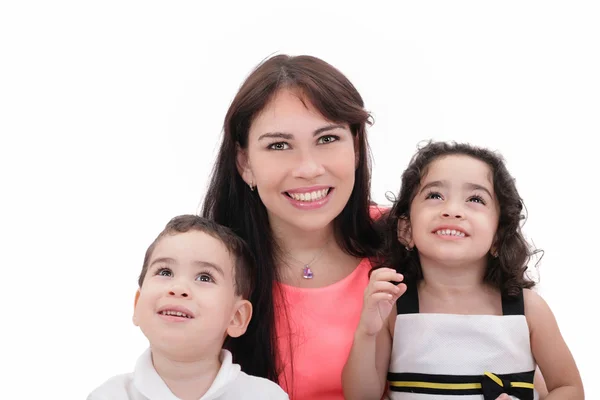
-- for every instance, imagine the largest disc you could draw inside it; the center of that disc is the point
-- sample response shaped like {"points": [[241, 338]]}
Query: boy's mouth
{"points": [[175, 314], [176, 311]]}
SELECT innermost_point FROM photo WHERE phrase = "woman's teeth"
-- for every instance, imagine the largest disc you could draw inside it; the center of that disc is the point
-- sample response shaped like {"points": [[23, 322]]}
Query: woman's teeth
{"points": [[309, 196]]}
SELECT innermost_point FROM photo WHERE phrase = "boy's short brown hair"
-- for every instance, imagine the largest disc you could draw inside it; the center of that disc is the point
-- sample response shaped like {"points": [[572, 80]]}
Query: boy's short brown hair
{"points": [[244, 265]]}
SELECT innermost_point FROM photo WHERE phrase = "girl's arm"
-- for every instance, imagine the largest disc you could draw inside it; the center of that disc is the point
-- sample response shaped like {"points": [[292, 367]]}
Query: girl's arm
{"points": [[365, 374], [540, 384], [550, 350]]}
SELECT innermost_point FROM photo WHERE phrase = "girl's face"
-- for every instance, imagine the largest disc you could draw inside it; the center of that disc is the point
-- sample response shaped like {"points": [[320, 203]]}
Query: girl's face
{"points": [[301, 164], [454, 216]]}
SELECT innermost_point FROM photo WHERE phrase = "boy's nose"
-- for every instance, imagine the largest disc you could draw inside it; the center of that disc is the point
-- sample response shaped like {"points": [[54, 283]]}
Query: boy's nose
{"points": [[178, 290], [178, 293]]}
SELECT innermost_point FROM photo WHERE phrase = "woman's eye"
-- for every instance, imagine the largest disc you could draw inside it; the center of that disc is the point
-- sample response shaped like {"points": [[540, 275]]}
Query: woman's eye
{"points": [[279, 146], [328, 139]]}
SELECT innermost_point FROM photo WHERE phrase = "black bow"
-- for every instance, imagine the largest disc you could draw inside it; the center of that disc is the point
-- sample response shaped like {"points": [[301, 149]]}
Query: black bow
{"points": [[493, 386]]}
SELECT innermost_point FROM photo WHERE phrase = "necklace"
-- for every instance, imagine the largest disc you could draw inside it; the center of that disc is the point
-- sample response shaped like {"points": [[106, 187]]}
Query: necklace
{"points": [[307, 273]]}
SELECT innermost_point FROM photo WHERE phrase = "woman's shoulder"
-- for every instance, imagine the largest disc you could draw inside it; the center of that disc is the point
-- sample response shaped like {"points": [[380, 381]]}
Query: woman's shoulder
{"points": [[376, 211]]}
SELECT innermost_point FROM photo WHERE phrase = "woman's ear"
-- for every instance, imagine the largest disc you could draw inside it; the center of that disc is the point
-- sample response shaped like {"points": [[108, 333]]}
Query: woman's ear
{"points": [[243, 166], [405, 233], [356, 152]]}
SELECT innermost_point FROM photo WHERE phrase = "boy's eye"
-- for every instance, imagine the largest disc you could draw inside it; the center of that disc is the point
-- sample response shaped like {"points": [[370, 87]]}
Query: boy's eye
{"points": [[279, 146], [205, 277], [164, 272]]}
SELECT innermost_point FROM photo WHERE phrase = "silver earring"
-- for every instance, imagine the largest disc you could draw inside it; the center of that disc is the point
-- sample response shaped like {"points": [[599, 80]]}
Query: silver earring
{"points": [[408, 248], [251, 184]]}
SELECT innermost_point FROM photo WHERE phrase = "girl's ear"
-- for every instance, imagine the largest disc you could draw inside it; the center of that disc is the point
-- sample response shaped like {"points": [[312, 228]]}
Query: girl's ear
{"points": [[494, 249], [405, 232]]}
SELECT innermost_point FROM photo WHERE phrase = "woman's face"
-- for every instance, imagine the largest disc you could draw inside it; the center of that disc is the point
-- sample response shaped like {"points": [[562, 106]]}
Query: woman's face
{"points": [[301, 164]]}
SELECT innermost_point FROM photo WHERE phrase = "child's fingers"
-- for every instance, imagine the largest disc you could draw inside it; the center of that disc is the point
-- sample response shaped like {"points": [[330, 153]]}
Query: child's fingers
{"points": [[386, 274], [379, 296], [384, 286], [503, 396], [401, 289]]}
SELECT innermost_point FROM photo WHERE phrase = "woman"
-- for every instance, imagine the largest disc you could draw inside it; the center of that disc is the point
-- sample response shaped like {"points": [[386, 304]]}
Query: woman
{"points": [[292, 178]]}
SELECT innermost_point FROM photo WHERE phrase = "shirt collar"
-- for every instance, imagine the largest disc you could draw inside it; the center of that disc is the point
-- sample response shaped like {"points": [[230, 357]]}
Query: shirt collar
{"points": [[147, 381]]}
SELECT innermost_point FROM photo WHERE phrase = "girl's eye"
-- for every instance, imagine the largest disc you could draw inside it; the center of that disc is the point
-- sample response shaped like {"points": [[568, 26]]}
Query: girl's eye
{"points": [[205, 277], [279, 146], [164, 272], [477, 199], [433, 195], [328, 139]]}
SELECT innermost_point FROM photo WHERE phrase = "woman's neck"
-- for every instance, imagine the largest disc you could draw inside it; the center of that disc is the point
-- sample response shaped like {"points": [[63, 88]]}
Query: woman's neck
{"points": [[295, 243], [319, 250]]}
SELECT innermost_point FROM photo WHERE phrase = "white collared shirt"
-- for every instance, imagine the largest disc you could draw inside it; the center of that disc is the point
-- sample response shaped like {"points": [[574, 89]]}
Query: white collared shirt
{"points": [[144, 383]]}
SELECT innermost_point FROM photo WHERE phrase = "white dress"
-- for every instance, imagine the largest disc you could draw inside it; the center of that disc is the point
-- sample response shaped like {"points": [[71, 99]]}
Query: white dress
{"points": [[460, 357]]}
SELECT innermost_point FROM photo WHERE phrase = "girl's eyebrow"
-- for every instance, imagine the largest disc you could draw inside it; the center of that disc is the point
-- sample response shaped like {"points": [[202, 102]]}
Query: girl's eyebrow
{"points": [[437, 184], [468, 185], [475, 186]]}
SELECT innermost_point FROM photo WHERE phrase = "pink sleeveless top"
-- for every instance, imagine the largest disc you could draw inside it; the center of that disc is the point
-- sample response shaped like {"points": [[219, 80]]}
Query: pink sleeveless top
{"points": [[319, 335], [320, 332]]}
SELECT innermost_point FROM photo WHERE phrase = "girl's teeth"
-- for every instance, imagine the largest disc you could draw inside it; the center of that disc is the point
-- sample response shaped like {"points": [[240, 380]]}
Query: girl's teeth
{"points": [[310, 196], [450, 232]]}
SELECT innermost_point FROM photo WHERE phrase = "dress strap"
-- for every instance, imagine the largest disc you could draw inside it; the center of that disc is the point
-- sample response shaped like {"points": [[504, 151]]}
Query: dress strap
{"points": [[514, 305], [408, 303]]}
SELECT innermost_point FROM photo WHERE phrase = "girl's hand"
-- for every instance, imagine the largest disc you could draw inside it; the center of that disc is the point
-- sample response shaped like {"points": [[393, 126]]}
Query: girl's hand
{"points": [[379, 299]]}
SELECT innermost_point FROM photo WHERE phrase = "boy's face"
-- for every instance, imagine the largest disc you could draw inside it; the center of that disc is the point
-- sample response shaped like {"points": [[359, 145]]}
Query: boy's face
{"points": [[187, 302]]}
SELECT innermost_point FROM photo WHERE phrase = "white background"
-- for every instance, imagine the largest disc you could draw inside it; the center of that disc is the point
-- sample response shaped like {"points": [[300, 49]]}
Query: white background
{"points": [[110, 115]]}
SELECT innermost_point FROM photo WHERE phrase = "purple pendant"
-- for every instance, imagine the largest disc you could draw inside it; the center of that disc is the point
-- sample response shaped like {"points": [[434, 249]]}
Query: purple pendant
{"points": [[307, 272]]}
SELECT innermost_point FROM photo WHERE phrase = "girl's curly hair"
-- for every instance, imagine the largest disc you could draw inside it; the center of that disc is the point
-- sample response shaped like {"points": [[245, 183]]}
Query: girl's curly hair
{"points": [[506, 270]]}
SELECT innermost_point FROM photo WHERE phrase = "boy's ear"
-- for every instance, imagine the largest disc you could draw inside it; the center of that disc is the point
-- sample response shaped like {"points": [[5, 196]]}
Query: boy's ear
{"points": [[243, 165], [405, 232], [240, 319], [135, 301]]}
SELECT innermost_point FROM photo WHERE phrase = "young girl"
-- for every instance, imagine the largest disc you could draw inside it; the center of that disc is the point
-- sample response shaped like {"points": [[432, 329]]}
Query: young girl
{"points": [[463, 323]]}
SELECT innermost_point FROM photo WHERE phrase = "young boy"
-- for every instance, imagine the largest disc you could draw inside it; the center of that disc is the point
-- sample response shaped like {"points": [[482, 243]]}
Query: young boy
{"points": [[192, 294]]}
